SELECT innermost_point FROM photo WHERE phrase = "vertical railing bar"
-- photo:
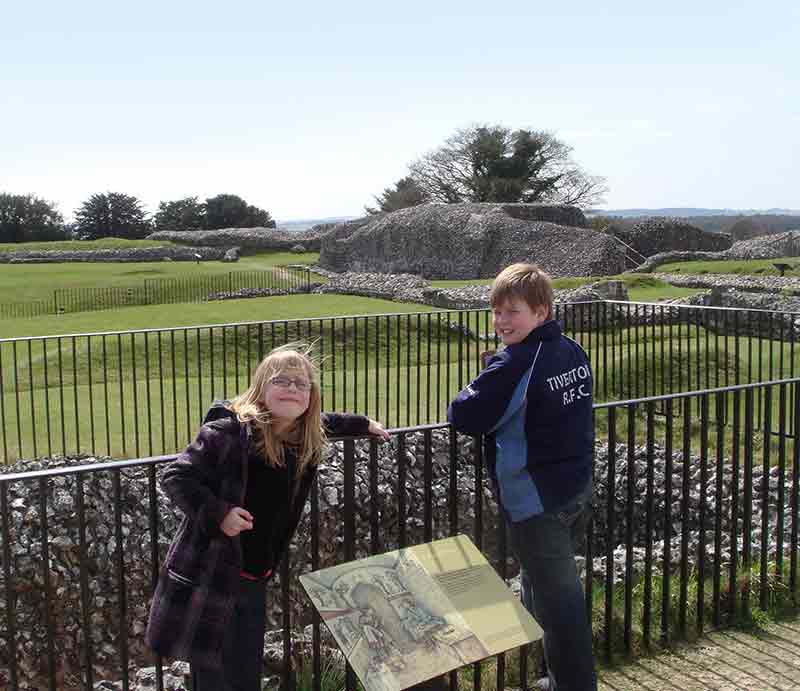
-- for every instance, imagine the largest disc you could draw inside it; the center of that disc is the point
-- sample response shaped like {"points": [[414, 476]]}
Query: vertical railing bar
{"points": [[32, 398], [199, 359], [718, 504], [60, 397], [667, 553], [374, 519], [8, 582], [75, 396], [91, 393], [648, 555], [401, 488], [610, 533], [315, 565], [162, 417], [793, 502], [48, 588], [121, 396], [105, 396], [631, 465], [734, 520], [349, 526], [701, 537], [147, 394], [152, 522], [428, 485], [119, 555], [135, 387], [779, 530], [86, 620], [748, 500], [15, 358], [684, 570], [765, 468]]}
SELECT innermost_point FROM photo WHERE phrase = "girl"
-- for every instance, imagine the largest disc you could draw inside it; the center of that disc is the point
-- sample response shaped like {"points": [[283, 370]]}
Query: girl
{"points": [[241, 486]]}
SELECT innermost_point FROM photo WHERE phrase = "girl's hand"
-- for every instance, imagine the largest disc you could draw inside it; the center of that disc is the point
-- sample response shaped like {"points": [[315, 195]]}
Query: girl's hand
{"points": [[237, 520], [376, 430]]}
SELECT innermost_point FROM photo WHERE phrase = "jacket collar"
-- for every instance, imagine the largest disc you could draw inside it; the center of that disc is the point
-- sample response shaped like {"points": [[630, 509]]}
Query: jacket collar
{"points": [[549, 331]]}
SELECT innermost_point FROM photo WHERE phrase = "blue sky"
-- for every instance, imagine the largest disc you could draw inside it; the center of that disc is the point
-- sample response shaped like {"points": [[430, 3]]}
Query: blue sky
{"points": [[308, 109]]}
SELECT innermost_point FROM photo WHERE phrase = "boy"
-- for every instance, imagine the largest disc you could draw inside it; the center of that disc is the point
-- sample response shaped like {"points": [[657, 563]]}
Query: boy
{"points": [[535, 397]]}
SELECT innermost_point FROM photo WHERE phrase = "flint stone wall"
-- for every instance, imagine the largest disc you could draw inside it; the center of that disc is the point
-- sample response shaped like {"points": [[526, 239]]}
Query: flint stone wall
{"points": [[470, 241], [138, 254], [410, 288], [762, 247], [655, 235], [26, 548], [248, 240]]}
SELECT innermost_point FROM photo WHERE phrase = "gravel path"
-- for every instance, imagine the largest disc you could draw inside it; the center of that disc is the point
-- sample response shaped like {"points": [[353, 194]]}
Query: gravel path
{"points": [[727, 660]]}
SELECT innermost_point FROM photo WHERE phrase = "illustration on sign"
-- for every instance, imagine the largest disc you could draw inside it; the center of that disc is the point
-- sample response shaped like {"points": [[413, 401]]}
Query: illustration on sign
{"points": [[384, 613]]}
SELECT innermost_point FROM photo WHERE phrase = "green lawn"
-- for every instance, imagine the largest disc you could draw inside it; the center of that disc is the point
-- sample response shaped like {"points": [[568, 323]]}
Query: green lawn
{"points": [[28, 282], [79, 245], [733, 266], [215, 312]]}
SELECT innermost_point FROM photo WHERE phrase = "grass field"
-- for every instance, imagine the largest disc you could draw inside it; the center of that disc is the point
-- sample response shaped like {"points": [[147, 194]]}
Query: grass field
{"points": [[28, 282], [145, 392], [82, 245], [764, 267], [194, 314]]}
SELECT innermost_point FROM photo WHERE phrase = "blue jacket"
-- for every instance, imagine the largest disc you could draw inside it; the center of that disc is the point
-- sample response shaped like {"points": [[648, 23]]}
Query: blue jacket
{"points": [[536, 398]]}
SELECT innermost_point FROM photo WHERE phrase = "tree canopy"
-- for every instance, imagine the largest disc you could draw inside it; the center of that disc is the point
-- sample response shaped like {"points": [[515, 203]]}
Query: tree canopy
{"points": [[231, 211], [182, 214], [26, 218], [111, 214], [492, 163], [406, 192]]}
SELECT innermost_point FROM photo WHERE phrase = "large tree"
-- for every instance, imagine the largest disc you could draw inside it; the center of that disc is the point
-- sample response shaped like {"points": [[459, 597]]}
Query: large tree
{"points": [[406, 192], [231, 211], [182, 214], [492, 163], [26, 218], [111, 214]]}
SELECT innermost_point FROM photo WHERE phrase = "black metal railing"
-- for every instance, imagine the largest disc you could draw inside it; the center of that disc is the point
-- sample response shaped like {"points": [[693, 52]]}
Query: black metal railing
{"points": [[134, 393], [664, 560], [163, 291]]}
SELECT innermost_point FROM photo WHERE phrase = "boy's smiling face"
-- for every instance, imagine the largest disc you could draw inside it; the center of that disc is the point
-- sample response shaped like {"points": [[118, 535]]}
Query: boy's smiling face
{"points": [[514, 320]]}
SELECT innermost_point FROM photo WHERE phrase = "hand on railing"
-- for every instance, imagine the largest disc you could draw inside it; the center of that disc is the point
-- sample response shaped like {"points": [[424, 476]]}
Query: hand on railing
{"points": [[485, 356], [376, 429]]}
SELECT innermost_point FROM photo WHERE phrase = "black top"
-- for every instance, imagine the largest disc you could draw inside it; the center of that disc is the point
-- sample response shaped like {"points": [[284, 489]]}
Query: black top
{"points": [[272, 499], [267, 499]]}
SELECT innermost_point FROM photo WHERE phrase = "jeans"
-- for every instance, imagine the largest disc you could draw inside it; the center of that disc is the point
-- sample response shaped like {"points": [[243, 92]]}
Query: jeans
{"points": [[243, 656], [552, 592]]}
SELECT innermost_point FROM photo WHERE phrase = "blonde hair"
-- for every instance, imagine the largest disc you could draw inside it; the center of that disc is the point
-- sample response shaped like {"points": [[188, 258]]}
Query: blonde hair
{"points": [[306, 435], [526, 282]]}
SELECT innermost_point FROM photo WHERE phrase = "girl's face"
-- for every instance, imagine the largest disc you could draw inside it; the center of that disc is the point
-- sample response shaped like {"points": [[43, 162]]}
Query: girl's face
{"points": [[286, 394]]}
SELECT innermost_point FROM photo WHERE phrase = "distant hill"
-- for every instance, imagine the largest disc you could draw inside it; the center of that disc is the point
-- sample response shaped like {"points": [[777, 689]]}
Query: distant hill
{"points": [[760, 222], [686, 212], [306, 223]]}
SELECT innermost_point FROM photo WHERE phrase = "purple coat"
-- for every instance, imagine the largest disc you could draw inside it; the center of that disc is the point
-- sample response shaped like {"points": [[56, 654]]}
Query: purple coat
{"points": [[197, 584]]}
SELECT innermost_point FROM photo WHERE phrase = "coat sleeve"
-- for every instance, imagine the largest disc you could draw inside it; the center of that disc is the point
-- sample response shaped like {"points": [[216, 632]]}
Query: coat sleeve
{"points": [[479, 407], [193, 480], [345, 424]]}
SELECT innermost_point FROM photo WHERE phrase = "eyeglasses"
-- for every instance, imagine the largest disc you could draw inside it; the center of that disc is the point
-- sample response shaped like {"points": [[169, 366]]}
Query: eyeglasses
{"points": [[285, 382]]}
